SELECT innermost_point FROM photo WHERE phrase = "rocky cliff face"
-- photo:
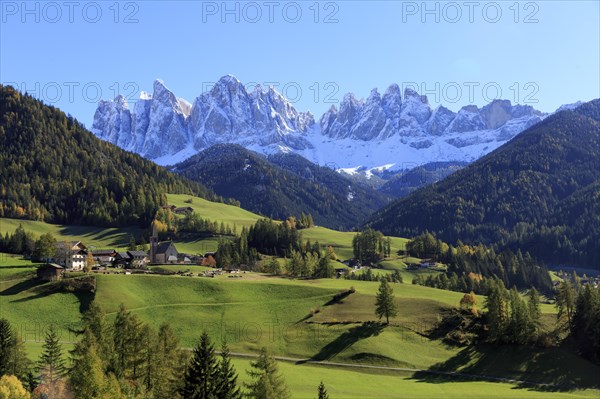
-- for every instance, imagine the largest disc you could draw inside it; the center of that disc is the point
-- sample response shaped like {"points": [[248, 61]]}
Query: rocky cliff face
{"points": [[366, 131], [164, 125]]}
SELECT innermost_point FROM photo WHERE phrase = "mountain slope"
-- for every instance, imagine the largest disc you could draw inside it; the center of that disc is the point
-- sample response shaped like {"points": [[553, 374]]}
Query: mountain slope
{"points": [[264, 187], [52, 169], [535, 192], [397, 129], [404, 183]]}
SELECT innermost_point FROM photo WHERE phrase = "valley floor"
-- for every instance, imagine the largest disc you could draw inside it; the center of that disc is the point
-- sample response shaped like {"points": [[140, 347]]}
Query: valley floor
{"points": [[297, 319]]}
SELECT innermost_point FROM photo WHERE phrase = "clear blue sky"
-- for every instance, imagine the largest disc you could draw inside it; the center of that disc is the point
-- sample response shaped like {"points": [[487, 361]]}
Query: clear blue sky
{"points": [[543, 53]]}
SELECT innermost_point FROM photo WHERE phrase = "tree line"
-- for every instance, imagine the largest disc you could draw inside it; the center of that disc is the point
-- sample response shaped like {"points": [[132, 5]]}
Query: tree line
{"points": [[284, 239], [27, 244], [466, 261], [513, 318], [370, 246], [168, 224], [579, 315]]}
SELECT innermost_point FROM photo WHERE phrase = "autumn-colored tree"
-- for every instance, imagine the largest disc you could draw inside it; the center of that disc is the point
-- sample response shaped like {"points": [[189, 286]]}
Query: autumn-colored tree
{"points": [[469, 302], [89, 262], [11, 388]]}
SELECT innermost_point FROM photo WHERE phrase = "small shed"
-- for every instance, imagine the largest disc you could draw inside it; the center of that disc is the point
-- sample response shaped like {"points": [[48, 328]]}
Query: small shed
{"points": [[50, 272], [183, 210]]}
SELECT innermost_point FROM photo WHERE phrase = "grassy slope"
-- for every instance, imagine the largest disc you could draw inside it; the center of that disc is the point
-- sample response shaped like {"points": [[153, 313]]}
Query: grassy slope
{"points": [[342, 241], [231, 215], [257, 310], [91, 236], [342, 383], [216, 211]]}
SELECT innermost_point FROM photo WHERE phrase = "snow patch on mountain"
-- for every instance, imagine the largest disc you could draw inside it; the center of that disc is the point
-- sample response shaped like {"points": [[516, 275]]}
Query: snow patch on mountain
{"points": [[393, 131]]}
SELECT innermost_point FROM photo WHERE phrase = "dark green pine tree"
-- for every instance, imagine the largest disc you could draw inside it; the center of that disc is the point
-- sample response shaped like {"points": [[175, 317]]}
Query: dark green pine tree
{"points": [[6, 346], [51, 363], [385, 306], [322, 391], [132, 244], [269, 383], [226, 385], [533, 304], [202, 372]]}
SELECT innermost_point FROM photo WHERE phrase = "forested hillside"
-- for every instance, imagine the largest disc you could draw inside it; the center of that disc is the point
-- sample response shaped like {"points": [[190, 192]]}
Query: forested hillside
{"points": [[53, 169], [295, 187], [539, 192], [404, 183]]}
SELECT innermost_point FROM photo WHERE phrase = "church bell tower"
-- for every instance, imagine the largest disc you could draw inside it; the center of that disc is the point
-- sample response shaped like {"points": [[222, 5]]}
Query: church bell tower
{"points": [[153, 243]]}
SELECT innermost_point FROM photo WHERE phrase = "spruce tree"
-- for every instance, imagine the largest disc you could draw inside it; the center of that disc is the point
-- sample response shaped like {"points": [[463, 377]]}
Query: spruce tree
{"points": [[322, 391], [533, 304], [202, 372], [6, 346], [385, 306], [51, 363], [226, 384], [565, 302], [13, 357], [498, 311], [269, 383]]}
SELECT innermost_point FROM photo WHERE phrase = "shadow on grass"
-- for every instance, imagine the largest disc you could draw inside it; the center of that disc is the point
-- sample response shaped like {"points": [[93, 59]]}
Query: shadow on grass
{"points": [[85, 300], [349, 338], [546, 370], [117, 237], [21, 286], [40, 289]]}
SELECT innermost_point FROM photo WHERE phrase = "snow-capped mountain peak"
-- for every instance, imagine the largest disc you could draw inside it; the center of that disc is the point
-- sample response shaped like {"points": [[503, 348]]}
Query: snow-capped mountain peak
{"points": [[396, 128]]}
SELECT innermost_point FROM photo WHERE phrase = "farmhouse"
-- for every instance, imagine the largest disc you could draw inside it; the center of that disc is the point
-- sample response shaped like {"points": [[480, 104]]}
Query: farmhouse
{"points": [[121, 259], [70, 255], [138, 259], [183, 210], [105, 257], [50, 272]]}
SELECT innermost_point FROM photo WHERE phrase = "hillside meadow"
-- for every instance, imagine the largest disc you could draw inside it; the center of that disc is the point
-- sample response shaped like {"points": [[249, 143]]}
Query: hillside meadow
{"points": [[294, 318], [298, 319]]}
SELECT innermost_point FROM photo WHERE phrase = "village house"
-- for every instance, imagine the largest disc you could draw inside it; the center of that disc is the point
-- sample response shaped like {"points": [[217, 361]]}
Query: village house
{"points": [[50, 272], [121, 260], [70, 255], [104, 257], [138, 259]]}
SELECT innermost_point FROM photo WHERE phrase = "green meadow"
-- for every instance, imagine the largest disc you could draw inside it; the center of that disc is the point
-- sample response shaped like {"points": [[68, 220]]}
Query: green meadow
{"points": [[297, 319]]}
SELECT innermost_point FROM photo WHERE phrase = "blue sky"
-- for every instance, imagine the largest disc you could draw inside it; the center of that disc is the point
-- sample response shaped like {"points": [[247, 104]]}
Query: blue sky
{"points": [[542, 53]]}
